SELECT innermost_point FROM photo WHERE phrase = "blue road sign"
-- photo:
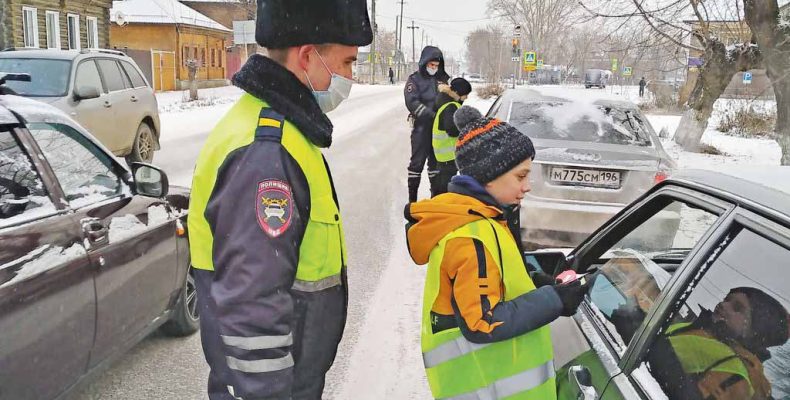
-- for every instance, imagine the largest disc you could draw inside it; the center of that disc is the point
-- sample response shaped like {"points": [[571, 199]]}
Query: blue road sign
{"points": [[747, 78]]}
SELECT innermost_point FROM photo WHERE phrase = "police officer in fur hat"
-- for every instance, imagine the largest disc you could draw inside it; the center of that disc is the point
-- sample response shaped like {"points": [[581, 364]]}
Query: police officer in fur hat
{"points": [[266, 236]]}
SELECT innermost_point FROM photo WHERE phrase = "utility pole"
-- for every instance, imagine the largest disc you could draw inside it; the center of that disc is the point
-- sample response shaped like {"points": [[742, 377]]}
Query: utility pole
{"points": [[413, 27], [373, 47], [399, 36]]}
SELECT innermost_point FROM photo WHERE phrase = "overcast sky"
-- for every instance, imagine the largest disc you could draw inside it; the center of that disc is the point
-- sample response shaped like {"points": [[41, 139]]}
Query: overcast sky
{"points": [[445, 22]]}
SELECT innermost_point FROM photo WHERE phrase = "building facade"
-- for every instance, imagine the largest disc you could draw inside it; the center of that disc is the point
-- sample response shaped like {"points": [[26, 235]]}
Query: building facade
{"points": [[55, 24]]}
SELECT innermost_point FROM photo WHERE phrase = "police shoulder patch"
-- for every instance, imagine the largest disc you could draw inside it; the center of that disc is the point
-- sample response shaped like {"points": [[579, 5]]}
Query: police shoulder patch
{"points": [[274, 206], [410, 87]]}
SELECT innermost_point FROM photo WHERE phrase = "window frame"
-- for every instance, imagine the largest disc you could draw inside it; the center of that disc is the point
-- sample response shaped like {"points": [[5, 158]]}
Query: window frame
{"points": [[117, 169], [103, 88], [53, 36], [105, 80], [34, 22], [126, 66], [92, 36], [70, 32], [625, 222], [738, 220]]}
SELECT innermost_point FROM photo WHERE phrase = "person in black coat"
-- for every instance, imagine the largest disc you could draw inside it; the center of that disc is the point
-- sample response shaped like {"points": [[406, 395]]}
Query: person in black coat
{"points": [[456, 92], [420, 95]]}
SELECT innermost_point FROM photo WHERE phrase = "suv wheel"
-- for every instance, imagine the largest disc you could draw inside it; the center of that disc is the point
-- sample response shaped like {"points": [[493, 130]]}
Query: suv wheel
{"points": [[144, 144], [185, 318]]}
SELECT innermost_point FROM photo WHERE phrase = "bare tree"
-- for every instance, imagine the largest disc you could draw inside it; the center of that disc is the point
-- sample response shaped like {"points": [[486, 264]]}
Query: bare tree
{"points": [[486, 51], [701, 27], [541, 20], [773, 38]]}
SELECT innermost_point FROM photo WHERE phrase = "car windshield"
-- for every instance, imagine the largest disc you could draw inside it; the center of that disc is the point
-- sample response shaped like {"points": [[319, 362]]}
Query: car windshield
{"points": [[49, 78], [583, 122]]}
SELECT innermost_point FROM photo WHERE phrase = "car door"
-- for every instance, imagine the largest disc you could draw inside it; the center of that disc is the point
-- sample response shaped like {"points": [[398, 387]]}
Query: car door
{"points": [[93, 114], [122, 98], [723, 328], [631, 261], [131, 239], [47, 298]]}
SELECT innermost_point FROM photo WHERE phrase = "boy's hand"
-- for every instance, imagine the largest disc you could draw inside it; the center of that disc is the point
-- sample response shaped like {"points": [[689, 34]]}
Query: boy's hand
{"points": [[541, 279], [571, 294]]}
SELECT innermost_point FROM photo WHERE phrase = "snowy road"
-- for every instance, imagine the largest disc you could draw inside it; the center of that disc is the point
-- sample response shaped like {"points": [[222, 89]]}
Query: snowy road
{"points": [[380, 348]]}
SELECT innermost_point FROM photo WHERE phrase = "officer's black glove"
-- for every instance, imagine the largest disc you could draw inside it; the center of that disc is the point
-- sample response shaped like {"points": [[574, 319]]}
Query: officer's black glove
{"points": [[541, 279], [571, 294]]}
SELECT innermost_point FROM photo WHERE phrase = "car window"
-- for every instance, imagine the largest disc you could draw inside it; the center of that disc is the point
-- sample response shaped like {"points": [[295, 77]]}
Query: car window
{"points": [[22, 193], [88, 76], [112, 75], [727, 337], [48, 78], [137, 79], [577, 121], [633, 272], [85, 173]]}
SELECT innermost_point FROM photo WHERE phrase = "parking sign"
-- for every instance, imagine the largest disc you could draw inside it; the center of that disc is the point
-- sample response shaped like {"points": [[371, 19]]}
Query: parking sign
{"points": [[747, 78]]}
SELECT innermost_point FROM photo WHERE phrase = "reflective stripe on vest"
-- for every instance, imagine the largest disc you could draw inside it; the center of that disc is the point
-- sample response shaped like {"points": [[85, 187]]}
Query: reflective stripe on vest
{"points": [[699, 354], [459, 369], [322, 254], [443, 144]]}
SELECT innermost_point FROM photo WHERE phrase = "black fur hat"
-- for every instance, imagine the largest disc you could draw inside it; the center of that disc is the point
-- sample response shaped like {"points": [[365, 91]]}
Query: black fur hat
{"points": [[288, 23]]}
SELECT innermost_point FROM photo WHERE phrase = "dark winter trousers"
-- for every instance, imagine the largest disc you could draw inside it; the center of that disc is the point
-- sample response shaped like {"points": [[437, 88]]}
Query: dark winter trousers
{"points": [[421, 151], [641, 91], [319, 321], [447, 170]]}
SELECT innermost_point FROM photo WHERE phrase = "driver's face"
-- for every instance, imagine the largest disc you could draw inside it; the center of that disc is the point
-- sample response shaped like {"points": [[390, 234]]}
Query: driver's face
{"points": [[736, 312]]}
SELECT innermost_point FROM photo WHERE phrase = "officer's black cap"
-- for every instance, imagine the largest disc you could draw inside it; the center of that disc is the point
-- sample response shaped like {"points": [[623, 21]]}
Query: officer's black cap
{"points": [[287, 23]]}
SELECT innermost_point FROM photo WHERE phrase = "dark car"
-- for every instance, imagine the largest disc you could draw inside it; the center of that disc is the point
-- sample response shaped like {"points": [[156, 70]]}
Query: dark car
{"points": [[705, 317], [93, 256], [596, 77]]}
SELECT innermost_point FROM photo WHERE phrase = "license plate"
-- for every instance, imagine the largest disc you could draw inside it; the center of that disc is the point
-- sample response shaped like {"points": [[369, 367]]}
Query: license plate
{"points": [[585, 177]]}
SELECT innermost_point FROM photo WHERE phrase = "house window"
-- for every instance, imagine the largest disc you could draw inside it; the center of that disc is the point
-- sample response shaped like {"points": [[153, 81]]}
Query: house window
{"points": [[92, 26], [213, 58], [53, 30], [30, 26], [184, 55], [74, 31], [219, 58], [202, 57]]}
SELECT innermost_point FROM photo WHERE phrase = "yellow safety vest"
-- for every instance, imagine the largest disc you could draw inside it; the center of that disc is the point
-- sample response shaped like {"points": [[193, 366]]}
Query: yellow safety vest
{"points": [[443, 144], [699, 354], [518, 368], [322, 254]]}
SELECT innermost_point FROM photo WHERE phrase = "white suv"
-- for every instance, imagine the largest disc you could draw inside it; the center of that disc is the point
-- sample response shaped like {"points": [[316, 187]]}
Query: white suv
{"points": [[103, 90]]}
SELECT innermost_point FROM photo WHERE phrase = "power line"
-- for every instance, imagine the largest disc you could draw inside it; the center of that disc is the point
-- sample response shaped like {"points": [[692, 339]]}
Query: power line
{"points": [[444, 21]]}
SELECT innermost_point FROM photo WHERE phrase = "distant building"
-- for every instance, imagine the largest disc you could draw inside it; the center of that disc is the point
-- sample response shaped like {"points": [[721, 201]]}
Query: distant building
{"points": [[55, 24], [163, 35]]}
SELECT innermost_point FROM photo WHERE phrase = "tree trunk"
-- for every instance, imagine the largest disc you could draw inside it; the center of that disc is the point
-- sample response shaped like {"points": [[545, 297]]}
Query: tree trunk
{"points": [[715, 75], [762, 16]]}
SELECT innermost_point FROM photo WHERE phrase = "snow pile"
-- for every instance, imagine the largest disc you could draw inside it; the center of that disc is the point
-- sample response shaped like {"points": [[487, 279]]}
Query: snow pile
{"points": [[125, 227], [42, 259]]}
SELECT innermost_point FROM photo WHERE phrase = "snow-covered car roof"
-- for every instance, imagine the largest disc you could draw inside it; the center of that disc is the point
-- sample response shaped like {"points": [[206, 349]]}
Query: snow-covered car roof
{"points": [[760, 186], [48, 54]]}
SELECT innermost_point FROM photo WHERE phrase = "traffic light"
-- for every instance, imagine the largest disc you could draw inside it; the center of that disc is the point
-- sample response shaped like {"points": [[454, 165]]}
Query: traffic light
{"points": [[515, 51]]}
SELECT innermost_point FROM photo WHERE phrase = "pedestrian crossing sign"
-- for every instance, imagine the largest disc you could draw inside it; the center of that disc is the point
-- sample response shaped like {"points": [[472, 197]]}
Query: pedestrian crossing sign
{"points": [[540, 64], [628, 71], [530, 58]]}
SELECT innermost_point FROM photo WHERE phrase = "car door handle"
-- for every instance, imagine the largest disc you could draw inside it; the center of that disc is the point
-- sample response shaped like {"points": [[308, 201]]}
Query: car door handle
{"points": [[95, 231], [582, 380], [107, 104], [134, 99]]}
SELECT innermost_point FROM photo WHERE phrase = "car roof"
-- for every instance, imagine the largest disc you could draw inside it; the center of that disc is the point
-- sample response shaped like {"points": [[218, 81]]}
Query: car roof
{"points": [[52, 54], [768, 187], [43, 54]]}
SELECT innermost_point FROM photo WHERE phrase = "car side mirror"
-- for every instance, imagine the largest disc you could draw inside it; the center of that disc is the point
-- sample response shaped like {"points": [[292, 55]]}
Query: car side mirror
{"points": [[149, 180], [86, 93], [549, 262], [664, 133]]}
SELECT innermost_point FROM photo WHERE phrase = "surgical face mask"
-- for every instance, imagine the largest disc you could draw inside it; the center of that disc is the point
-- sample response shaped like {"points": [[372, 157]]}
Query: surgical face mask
{"points": [[432, 71], [338, 90]]}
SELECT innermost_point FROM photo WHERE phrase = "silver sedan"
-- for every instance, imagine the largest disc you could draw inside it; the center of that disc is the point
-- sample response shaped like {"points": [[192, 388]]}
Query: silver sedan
{"points": [[593, 158]]}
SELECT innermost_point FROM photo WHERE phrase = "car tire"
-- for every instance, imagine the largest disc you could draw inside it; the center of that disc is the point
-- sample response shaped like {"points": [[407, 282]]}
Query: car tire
{"points": [[143, 146], [587, 86], [185, 319]]}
